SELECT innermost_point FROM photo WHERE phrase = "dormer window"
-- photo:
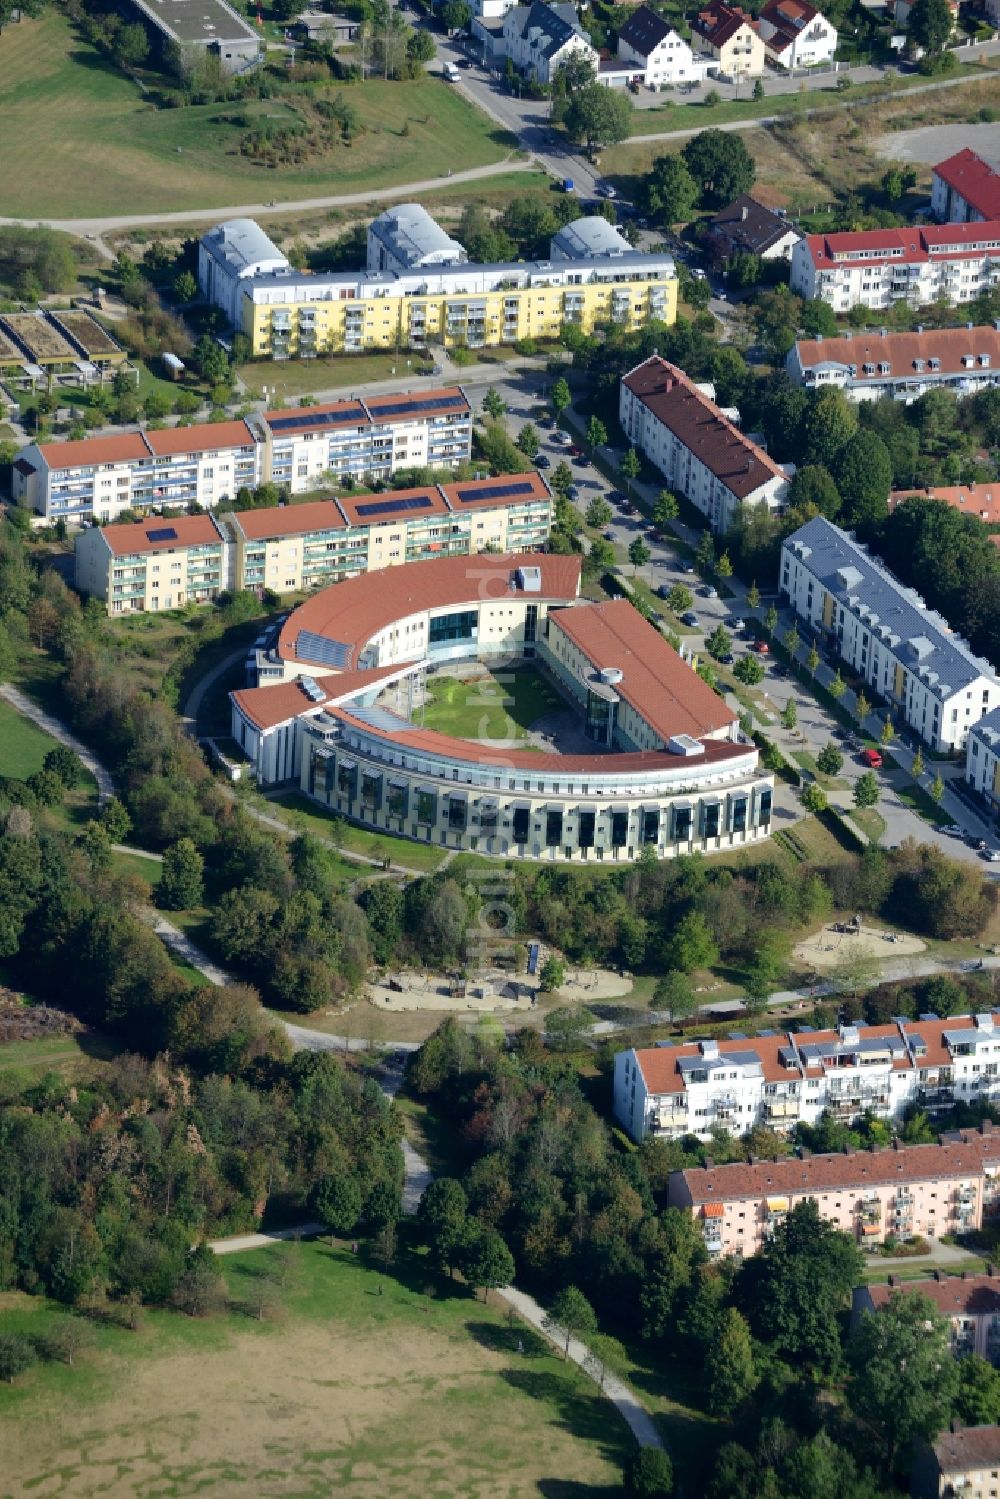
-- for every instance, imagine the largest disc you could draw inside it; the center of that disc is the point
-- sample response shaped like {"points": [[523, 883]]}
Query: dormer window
{"points": [[984, 361], [884, 367], [935, 364], [918, 365], [869, 369], [967, 361]]}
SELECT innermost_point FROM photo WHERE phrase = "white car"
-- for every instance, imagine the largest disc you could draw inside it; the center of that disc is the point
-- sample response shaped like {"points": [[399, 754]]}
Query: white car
{"points": [[562, 439], [607, 190]]}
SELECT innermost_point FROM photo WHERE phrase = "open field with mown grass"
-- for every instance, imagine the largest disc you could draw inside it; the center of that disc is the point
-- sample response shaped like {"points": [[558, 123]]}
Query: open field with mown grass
{"points": [[346, 1392], [23, 748], [74, 1058], [81, 141]]}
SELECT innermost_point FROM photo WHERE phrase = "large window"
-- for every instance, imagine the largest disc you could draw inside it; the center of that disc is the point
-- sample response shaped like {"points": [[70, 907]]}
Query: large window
{"points": [[488, 819], [347, 778], [619, 829], [651, 825], [448, 628], [371, 790], [426, 807], [530, 623], [397, 799], [522, 824], [738, 814], [457, 813], [682, 824], [585, 829], [553, 827], [710, 812], [600, 718], [764, 807]]}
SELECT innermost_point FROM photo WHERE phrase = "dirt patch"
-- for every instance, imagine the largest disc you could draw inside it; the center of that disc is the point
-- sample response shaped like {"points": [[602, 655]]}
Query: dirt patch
{"points": [[306, 1410], [829, 948]]}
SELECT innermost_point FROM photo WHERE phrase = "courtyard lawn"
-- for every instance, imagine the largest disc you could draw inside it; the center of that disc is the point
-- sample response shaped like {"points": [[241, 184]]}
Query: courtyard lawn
{"points": [[107, 150], [364, 1384], [311, 817], [500, 705]]}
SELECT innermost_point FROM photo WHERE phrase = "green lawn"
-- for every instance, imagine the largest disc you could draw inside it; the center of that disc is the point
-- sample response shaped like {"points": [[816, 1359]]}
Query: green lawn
{"points": [[497, 706], [310, 817], [921, 802], [22, 1063], [146, 870], [870, 820], [23, 748], [291, 378], [392, 1383], [106, 150]]}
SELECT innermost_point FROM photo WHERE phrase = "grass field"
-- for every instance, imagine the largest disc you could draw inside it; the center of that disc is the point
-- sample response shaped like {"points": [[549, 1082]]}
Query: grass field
{"points": [[22, 1063], [346, 1392], [496, 706], [107, 151], [310, 817], [23, 748], [291, 378]]}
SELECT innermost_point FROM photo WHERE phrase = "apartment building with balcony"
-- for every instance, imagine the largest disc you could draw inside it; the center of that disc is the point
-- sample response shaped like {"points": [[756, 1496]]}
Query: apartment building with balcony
{"points": [[780, 1080], [965, 188], [874, 1195], [697, 446], [154, 564], [902, 366], [289, 314], [366, 439], [971, 1304], [918, 265], [962, 1463], [905, 652], [98, 478]]}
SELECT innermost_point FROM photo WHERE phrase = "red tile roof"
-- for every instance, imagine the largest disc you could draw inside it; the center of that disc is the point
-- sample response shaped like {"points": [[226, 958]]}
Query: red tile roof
{"points": [[543, 763], [982, 501], [209, 437], [151, 535], [289, 520], [975, 179], [489, 493], [355, 610], [718, 23], [95, 451], [661, 1073], [970, 1449], [953, 1295], [903, 350], [665, 692], [266, 707], [918, 243], [666, 391]]}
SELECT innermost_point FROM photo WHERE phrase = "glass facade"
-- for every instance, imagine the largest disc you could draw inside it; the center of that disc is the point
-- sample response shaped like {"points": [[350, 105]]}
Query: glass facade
{"points": [[446, 629]]}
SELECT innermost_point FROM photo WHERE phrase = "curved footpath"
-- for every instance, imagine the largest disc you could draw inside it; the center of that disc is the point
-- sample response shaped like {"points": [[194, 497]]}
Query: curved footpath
{"points": [[52, 726]]}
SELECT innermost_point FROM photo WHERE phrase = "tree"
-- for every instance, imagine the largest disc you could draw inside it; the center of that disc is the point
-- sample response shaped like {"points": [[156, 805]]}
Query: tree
{"points": [[937, 787], [43, 620], [978, 1400], [571, 1316], [552, 975], [813, 659], [443, 1218], [638, 553], [903, 1378], [597, 433], [887, 733], [814, 798], [790, 714], [601, 554], [758, 89], [631, 465], [17, 1354], [862, 707], [597, 117], [201, 1290], [527, 441], [65, 764], [770, 620], [930, 25], [487, 1263], [679, 599], [649, 1474], [211, 360], [838, 686], [337, 1201], [917, 768], [724, 566], [115, 820], [830, 760], [749, 671], [665, 509], [559, 396], [691, 945], [830, 421], [562, 478], [862, 470], [753, 596], [494, 404], [792, 641], [69, 1337], [720, 165], [185, 287], [866, 790], [794, 1291], [598, 513], [814, 491], [455, 15], [730, 1374], [669, 192], [675, 994], [181, 885], [720, 643], [704, 554]]}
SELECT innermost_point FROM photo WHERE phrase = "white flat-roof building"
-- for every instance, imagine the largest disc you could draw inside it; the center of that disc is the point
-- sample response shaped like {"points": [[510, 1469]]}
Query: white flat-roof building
{"points": [[906, 652], [232, 253], [698, 449], [589, 239], [196, 26]]}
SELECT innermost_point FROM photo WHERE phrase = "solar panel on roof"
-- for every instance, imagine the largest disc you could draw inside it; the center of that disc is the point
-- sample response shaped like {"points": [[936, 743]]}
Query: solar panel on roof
{"points": [[310, 646], [495, 492], [165, 533], [298, 419], [386, 507], [418, 403]]}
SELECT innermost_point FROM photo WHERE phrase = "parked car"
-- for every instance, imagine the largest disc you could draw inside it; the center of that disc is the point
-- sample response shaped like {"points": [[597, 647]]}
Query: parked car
{"points": [[582, 461], [953, 830], [708, 592], [562, 439], [663, 591], [872, 758], [737, 626], [991, 855], [687, 567], [690, 618], [606, 190], [572, 493], [762, 648], [546, 420], [609, 535], [726, 660], [542, 462]]}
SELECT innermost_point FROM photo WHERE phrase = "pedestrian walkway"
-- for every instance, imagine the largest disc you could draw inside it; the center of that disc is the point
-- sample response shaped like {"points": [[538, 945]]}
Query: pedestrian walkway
{"points": [[23, 704]]}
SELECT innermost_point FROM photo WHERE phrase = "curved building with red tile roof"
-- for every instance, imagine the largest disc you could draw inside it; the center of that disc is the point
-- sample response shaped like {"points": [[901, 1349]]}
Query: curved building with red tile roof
{"points": [[667, 769]]}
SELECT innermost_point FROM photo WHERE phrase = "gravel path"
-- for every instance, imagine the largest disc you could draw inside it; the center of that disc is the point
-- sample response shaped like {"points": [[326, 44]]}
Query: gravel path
{"points": [[30, 709]]}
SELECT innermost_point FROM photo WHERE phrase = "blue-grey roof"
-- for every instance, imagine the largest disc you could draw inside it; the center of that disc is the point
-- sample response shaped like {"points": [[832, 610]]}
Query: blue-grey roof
{"points": [[988, 729], [588, 237], [918, 637], [555, 23], [746, 1061], [415, 238]]}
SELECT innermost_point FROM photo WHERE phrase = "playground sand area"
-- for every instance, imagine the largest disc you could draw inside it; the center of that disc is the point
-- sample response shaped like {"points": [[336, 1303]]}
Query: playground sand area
{"points": [[829, 947]]}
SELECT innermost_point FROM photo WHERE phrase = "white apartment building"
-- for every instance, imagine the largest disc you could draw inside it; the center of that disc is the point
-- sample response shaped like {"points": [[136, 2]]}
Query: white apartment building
{"points": [[982, 758], [874, 1195], [698, 449], [906, 652], [539, 38], [965, 188], [301, 447], [779, 1080], [98, 478], [661, 57], [405, 238], [918, 265], [867, 366], [796, 35], [231, 253]]}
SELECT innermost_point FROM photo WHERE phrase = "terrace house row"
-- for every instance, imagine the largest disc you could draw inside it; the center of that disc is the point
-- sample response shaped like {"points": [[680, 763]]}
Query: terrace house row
{"points": [[916, 264], [779, 1080], [896, 1192], [303, 448], [165, 563], [902, 366], [903, 650], [697, 446]]}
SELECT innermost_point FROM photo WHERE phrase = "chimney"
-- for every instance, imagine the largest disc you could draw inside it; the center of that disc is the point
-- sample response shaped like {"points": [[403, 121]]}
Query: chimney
{"points": [[709, 1163], [956, 1425], [987, 1127], [892, 1280], [895, 1143], [938, 1275], [991, 1269], [744, 213], [965, 1275]]}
